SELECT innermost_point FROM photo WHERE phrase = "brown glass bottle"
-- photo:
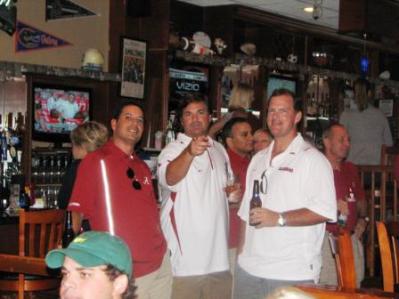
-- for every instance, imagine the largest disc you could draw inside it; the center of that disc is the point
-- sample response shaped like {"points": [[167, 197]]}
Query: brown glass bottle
{"points": [[255, 202], [69, 234]]}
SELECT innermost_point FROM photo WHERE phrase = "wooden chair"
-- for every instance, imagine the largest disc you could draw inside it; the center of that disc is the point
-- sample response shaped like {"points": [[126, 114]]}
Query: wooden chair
{"points": [[388, 154], [381, 196], [386, 257], [392, 228], [39, 232], [344, 260]]}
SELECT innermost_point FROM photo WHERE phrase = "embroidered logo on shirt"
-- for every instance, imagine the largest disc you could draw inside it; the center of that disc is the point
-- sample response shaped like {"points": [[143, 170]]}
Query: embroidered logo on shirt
{"points": [[286, 169]]}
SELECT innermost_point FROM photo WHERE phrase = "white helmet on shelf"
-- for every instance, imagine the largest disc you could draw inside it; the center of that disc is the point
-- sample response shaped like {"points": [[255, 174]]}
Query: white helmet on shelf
{"points": [[92, 60]]}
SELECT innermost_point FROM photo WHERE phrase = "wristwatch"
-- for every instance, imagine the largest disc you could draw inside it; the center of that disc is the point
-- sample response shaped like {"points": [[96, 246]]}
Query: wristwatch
{"points": [[281, 220]]}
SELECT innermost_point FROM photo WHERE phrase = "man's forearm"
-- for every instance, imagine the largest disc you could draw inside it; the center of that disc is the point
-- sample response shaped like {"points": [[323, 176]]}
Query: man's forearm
{"points": [[303, 217], [76, 222], [178, 168]]}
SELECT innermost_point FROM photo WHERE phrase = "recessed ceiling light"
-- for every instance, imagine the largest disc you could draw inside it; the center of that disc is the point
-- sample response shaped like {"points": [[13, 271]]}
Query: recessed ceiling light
{"points": [[308, 9]]}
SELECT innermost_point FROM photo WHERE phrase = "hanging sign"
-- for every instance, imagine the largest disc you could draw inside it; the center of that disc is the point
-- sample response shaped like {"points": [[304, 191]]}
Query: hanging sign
{"points": [[30, 38]]}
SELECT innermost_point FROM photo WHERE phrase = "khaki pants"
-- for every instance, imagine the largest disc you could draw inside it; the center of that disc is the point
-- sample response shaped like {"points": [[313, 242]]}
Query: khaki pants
{"points": [[210, 286], [158, 284]]}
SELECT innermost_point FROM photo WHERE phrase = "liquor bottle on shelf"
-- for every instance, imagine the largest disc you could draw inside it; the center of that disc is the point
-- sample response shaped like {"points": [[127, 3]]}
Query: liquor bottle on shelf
{"points": [[69, 234], [170, 133], [255, 202]]}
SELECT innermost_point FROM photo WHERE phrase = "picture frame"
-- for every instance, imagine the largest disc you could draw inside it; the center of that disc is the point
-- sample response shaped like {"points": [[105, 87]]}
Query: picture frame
{"points": [[133, 67]]}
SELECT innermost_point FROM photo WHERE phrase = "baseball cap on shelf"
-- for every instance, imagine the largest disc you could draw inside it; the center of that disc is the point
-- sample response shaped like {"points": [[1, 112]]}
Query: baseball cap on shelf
{"points": [[94, 248]]}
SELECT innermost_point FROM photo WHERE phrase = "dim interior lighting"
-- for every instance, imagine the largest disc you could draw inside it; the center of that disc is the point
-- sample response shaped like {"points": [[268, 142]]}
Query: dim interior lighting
{"points": [[308, 9]]}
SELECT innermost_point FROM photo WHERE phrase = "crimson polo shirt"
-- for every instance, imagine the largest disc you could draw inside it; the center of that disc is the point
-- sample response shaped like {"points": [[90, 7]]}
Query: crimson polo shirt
{"points": [[135, 212], [345, 179], [239, 165]]}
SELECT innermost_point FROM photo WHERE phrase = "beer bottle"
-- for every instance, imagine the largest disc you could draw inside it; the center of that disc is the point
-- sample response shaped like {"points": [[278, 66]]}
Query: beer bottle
{"points": [[69, 234], [255, 202]]}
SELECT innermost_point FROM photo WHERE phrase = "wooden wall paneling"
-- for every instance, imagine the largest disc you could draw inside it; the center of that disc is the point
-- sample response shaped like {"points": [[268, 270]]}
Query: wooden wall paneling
{"points": [[352, 15]]}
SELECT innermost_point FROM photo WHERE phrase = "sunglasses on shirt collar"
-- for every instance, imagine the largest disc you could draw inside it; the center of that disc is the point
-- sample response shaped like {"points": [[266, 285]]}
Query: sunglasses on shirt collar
{"points": [[131, 175]]}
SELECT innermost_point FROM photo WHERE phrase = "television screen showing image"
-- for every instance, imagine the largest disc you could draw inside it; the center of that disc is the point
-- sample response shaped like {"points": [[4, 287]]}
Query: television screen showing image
{"points": [[58, 110], [280, 82]]}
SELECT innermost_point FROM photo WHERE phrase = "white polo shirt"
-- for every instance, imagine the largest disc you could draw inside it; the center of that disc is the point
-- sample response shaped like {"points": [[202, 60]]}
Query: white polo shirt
{"points": [[300, 177], [195, 223]]}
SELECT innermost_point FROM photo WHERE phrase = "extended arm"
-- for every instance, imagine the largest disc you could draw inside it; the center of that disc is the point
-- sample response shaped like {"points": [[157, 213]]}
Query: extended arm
{"points": [[178, 168]]}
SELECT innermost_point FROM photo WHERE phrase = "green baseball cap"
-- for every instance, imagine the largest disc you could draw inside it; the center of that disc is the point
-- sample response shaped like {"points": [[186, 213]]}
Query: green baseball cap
{"points": [[92, 249]]}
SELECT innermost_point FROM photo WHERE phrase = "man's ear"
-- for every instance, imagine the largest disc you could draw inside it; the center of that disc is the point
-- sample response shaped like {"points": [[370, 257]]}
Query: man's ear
{"points": [[298, 117], [120, 285], [229, 142], [113, 124]]}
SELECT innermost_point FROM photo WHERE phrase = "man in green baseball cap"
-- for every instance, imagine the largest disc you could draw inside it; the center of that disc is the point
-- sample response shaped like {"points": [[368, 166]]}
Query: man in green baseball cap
{"points": [[94, 265]]}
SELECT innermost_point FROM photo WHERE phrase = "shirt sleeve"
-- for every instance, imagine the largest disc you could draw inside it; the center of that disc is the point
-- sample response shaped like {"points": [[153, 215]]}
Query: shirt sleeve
{"points": [[86, 187], [168, 154], [387, 133], [320, 189]]}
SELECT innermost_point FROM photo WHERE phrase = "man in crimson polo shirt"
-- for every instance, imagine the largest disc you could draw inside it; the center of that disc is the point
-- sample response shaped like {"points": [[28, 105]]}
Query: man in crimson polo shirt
{"points": [[238, 138], [350, 201], [113, 190]]}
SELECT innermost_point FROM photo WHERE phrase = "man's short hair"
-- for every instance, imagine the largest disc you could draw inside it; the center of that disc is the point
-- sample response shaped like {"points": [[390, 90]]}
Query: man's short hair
{"points": [[327, 131], [92, 249], [122, 104], [228, 127], [298, 104]]}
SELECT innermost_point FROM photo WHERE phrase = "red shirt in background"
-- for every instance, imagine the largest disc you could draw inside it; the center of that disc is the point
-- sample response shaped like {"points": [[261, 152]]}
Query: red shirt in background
{"points": [[347, 180], [239, 165]]}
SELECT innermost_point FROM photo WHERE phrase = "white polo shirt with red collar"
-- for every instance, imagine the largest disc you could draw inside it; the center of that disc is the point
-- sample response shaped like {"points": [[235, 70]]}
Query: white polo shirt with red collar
{"points": [[194, 214]]}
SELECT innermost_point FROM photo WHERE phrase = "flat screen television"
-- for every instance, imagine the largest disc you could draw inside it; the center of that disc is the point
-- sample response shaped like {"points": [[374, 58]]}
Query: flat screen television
{"points": [[276, 82], [57, 110]]}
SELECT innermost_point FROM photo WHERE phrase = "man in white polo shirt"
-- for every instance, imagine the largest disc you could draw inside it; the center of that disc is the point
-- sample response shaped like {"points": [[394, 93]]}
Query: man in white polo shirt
{"points": [[195, 210], [283, 238]]}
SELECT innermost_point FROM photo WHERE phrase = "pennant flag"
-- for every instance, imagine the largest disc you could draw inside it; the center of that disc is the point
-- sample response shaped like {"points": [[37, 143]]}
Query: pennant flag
{"points": [[61, 9], [30, 38]]}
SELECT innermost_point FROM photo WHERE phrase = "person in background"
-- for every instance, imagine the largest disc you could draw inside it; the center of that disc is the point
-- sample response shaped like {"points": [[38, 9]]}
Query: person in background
{"points": [[283, 238], [85, 138], [193, 170], [351, 203], [262, 139], [367, 126], [237, 136], [114, 191], [94, 265], [240, 101]]}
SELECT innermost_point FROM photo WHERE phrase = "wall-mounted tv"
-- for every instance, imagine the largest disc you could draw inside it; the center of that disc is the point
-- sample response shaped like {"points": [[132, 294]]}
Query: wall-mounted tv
{"points": [[276, 81], [57, 110]]}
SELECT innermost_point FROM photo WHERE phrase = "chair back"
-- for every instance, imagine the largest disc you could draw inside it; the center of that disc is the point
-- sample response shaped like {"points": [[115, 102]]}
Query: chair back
{"points": [[39, 232], [388, 154], [381, 196], [344, 259], [386, 257], [393, 233]]}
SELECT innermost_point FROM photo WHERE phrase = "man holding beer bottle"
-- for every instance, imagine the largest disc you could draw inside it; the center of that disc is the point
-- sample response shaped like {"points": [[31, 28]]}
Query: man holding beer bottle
{"points": [[283, 238]]}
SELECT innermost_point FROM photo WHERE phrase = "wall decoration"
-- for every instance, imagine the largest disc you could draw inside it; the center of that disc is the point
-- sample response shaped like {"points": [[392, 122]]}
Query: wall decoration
{"points": [[61, 9], [134, 55], [30, 38]]}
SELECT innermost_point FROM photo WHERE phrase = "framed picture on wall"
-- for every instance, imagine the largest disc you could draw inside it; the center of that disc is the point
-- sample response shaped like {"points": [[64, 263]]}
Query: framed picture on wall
{"points": [[134, 56]]}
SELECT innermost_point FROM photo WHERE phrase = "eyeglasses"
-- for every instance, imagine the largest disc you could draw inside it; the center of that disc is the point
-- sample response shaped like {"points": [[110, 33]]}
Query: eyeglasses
{"points": [[131, 175], [263, 182]]}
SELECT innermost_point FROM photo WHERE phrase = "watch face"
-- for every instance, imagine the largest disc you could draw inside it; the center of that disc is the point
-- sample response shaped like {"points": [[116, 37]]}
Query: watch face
{"points": [[281, 220]]}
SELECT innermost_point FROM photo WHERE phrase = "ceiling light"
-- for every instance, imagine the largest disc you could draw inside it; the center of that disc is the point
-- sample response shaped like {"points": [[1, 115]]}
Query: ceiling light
{"points": [[308, 9]]}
